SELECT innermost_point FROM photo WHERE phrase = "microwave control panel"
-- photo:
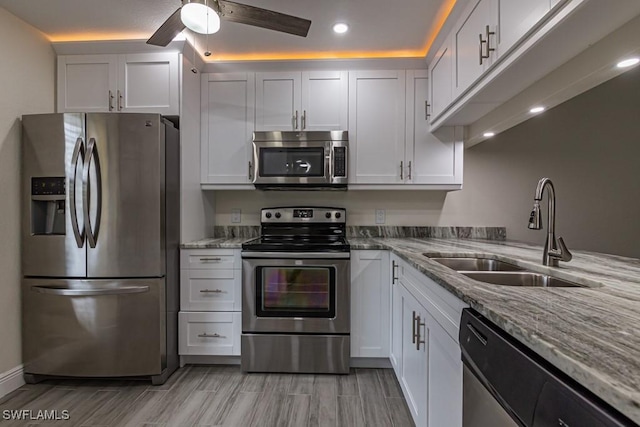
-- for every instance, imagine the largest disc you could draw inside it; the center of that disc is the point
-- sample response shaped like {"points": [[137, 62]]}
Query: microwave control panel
{"points": [[340, 161]]}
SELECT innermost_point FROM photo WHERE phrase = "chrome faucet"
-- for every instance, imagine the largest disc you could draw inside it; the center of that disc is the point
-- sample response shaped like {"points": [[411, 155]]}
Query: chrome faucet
{"points": [[554, 249]]}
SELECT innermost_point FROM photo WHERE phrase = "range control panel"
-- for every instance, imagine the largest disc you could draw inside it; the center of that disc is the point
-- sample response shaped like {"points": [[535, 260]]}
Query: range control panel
{"points": [[303, 214]]}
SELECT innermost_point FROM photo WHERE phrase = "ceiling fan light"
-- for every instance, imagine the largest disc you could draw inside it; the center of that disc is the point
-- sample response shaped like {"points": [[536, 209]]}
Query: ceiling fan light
{"points": [[200, 18]]}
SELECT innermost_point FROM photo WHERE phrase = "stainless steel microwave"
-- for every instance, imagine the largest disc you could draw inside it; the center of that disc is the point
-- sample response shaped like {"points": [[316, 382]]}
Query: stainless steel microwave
{"points": [[310, 160]]}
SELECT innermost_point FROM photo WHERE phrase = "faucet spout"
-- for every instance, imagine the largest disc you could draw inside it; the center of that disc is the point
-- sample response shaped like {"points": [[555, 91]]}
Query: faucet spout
{"points": [[554, 250]]}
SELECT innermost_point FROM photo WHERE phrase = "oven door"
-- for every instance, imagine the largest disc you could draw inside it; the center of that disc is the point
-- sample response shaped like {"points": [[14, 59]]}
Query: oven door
{"points": [[292, 163], [295, 295]]}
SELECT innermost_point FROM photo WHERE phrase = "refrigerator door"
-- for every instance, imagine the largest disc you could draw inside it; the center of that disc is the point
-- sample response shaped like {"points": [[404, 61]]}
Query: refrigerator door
{"points": [[93, 328], [124, 187], [53, 239]]}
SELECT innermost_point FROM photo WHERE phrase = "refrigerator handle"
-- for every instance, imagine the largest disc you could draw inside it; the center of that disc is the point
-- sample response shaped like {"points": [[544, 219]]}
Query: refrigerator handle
{"points": [[92, 154], [70, 292], [78, 154]]}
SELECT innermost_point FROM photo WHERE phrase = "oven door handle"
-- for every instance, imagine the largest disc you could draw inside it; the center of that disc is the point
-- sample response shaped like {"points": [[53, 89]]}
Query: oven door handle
{"points": [[297, 255]]}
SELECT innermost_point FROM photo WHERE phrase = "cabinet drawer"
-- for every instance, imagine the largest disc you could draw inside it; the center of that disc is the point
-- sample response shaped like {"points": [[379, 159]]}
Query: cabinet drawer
{"points": [[215, 334], [210, 259], [210, 290]]}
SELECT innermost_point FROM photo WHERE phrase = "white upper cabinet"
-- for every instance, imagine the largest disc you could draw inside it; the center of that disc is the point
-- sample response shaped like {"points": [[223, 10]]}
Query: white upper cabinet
{"points": [[324, 100], [430, 159], [475, 43], [87, 83], [314, 100], [148, 83], [441, 78], [516, 18], [227, 127], [376, 126]]}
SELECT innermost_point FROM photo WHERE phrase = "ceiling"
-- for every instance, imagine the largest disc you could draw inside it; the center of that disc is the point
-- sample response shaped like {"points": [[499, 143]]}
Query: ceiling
{"points": [[378, 28]]}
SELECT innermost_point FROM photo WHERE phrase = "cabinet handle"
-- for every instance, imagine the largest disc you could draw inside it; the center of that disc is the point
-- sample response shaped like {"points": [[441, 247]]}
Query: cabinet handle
{"points": [[304, 119], [394, 268], [409, 175], [295, 120], [210, 259], [401, 169], [481, 54], [250, 173], [413, 328], [419, 339], [489, 48], [110, 101], [119, 100], [426, 110], [206, 335], [209, 291]]}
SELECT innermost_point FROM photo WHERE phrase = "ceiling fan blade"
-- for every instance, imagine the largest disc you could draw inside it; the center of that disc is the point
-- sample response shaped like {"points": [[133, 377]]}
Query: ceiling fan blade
{"points": [[167, 31], [258, 17]]}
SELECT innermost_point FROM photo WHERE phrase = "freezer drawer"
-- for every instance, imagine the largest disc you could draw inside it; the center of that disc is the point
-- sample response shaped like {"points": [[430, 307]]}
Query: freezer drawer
{"points": [[94, 328]]}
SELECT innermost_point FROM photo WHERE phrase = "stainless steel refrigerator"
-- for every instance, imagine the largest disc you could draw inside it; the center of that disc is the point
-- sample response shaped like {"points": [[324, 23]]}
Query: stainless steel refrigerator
{"points": [[100, 237]]}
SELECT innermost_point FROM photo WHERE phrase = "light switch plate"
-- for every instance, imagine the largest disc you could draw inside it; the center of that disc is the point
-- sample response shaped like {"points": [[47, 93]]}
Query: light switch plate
{"points": [[380, 216], [236, 217]]}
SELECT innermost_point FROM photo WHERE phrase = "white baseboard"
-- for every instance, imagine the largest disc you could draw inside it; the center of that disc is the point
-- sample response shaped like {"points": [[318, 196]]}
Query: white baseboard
{"points": [[11, 380]]}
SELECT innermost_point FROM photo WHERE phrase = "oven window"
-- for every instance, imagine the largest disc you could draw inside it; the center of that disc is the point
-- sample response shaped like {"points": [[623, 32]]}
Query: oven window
{"points": [[295, 292], [295, 162]]}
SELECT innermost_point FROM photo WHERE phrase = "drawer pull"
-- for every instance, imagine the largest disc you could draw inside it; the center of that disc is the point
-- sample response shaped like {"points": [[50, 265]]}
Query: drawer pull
{"points": [[206, 335], [210, 259], [210, 291]]}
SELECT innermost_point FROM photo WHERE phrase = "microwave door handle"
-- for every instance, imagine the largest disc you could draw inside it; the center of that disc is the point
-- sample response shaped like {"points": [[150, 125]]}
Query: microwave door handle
{"points": [[78, 154], [330, 166]]}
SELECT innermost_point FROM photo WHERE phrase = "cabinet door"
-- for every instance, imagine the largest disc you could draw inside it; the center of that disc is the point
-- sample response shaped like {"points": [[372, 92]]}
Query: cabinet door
{"points": [[227, 127], [278, 101], [369, 304], [468, 62], [431, 159], [324, 100], [149, 83], [445, 376], [414, 374], [516, 17], [376, 126], [395, 353], [441, 80], [87, 83]]}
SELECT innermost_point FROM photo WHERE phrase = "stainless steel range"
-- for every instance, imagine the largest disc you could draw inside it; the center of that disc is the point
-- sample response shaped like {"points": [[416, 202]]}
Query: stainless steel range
{"points": [[295, 294]]}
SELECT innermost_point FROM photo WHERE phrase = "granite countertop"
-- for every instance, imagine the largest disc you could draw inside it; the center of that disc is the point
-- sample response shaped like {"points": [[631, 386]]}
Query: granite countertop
{"points": [[216, 243], [590, 333]]}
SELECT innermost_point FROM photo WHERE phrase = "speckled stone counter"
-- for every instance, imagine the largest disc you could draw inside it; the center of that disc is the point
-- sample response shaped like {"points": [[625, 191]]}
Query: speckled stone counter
{"points": [[592, 334], [216, 243]]}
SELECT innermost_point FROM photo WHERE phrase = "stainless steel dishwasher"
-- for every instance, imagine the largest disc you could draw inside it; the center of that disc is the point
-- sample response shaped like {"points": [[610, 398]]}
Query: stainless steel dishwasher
{"points": [[506, 384]]}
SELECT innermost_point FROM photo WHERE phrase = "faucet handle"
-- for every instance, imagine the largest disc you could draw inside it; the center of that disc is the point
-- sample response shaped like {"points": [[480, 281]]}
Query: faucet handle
{"points": [[561, 253]]}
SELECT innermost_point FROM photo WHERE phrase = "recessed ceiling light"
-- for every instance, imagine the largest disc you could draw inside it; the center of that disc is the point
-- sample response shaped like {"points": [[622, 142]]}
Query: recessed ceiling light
{"points": [[340, 28], [628, 62], [488, 134], [535, 110]]}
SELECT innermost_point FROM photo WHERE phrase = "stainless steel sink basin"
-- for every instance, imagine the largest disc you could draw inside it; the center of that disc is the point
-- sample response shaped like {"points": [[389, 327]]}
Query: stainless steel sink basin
{"points": [[475, 264], [519, 278]]}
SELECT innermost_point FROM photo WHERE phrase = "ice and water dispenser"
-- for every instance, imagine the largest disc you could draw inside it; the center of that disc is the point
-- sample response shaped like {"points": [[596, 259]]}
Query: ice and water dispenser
{"points": [[48, 205]]}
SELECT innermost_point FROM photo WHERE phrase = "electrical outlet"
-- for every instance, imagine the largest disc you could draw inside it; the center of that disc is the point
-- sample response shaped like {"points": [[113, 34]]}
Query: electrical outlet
{"points": [[380, 216], [236, 217]]}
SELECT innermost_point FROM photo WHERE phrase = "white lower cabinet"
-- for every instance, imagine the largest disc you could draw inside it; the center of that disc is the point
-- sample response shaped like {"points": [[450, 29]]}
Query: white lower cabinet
{"points": [[210, 321], [370, 304], [425, 354]]}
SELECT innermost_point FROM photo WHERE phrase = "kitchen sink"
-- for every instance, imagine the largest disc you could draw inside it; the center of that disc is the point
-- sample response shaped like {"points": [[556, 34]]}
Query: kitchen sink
{"points": [[501, 273], [520, 278], [475, 264]]}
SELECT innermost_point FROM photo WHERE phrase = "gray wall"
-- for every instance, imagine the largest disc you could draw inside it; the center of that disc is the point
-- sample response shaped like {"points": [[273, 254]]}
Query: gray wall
{"points": [[27, 73], [590, 148]]}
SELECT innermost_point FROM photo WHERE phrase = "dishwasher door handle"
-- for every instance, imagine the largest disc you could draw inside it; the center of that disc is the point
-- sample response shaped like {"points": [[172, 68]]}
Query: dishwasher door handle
{"points": [[477, 334]]}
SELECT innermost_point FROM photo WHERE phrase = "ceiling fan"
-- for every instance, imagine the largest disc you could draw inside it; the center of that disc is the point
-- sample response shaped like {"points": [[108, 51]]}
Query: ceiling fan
{"points": [[229, 11]]}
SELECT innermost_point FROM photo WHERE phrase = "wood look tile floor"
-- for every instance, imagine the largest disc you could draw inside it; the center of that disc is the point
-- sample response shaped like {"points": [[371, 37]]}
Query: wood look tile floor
{"points": [[219, 396]]}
